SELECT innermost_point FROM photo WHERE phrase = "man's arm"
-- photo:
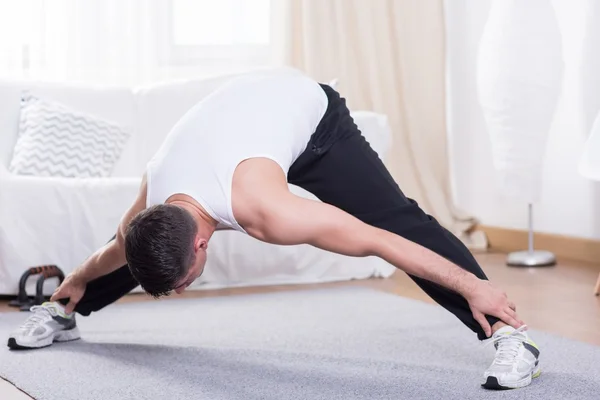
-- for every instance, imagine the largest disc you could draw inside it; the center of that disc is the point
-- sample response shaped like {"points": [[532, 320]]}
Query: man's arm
{"points": [[268, 211], [111, 256], [291, 220]]}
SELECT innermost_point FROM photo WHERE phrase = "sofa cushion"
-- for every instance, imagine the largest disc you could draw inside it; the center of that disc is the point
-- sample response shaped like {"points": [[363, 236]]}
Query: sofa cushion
{"points": [[113, 103], [56, 140]]}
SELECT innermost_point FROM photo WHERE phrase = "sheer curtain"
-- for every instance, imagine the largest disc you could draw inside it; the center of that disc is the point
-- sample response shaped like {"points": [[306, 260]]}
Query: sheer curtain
{"points": [[93, 41], [130, 42], [389, 57]]}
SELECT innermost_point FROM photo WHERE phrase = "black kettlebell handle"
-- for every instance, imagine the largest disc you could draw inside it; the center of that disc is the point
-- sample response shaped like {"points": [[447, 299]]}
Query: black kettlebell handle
{"points": [[46, 271]]}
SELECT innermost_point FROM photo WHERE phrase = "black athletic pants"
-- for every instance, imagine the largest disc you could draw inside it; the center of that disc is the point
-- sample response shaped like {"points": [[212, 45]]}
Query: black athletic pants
{"points": [[340, 168]]}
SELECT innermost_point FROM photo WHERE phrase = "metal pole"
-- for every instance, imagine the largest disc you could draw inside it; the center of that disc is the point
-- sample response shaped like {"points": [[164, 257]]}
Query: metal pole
{"points": [[530, 257], [530, 217]]}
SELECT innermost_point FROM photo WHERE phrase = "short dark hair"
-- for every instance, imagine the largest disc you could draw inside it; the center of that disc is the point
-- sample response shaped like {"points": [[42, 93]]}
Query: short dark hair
{"points": [[159, 247]]}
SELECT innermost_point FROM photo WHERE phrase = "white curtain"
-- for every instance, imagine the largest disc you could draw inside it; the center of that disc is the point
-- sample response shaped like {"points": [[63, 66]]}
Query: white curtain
{"points": [[127, 42], [389, 57], [107, 41]]}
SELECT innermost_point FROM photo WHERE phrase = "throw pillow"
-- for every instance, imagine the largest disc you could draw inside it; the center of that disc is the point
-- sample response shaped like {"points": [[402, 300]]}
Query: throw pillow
{"points": [[55, 140]]}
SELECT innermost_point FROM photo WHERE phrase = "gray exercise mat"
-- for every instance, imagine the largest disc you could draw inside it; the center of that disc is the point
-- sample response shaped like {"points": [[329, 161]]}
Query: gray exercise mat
{"points": [[349, 343]]}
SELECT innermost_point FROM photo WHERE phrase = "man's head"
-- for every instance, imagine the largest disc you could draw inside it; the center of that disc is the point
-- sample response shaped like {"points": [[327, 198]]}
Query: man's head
{"points": [[163, 249]]}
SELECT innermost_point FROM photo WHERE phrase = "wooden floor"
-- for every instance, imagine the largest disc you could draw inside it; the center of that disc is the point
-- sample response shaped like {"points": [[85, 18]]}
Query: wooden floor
{"points": [[556, 299]]}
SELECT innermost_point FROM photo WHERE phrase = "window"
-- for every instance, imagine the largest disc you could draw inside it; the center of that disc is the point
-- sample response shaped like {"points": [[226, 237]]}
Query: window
{"points": [[131, 42], [202, 31]]}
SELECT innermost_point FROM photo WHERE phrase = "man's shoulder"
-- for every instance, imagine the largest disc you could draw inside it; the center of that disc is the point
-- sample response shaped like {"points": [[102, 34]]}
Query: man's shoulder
{"points": [[257, 189]]}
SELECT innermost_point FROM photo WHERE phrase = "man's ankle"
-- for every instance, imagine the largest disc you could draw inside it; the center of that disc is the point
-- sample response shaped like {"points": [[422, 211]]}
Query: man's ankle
{"points": [[498, 325]]}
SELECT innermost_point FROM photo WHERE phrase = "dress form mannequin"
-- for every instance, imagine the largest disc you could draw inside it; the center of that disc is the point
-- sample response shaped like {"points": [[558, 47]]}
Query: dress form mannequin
{"points": [[519, 81]]}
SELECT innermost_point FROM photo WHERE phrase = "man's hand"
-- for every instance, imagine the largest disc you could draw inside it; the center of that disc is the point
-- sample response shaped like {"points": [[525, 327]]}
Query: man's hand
{"points": [[73, 289], [485, 299]]}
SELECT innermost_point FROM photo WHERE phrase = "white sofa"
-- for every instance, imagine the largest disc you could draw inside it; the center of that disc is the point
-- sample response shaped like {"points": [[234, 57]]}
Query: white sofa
{"points": [[63, 220]]}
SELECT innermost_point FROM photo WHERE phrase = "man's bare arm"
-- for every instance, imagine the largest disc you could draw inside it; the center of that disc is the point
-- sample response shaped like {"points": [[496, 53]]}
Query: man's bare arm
{"points": [[264, 206], [111, 256], [291, 220], [269, 212]]}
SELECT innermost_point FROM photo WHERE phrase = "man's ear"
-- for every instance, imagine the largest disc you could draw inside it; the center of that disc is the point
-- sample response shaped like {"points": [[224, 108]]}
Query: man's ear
{"points": [[200, 243]]}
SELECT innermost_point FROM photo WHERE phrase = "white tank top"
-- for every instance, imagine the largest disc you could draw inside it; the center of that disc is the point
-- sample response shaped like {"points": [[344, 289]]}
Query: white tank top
{"points": [[268, 114]]}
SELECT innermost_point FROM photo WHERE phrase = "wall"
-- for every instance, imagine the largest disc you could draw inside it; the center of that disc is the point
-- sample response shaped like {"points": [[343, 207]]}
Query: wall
{"points": [[570, 203]]}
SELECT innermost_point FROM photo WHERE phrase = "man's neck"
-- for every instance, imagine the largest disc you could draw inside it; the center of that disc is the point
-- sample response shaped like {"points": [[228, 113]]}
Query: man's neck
{"points": [[205, 223]]}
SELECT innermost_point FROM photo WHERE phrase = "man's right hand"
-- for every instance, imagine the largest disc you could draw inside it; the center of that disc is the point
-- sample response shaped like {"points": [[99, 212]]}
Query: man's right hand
{"points": [[73, 289], [485, 299]]}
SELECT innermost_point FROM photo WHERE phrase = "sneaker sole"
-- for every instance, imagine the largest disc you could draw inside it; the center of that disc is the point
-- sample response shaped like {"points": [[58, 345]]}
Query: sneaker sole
{"points": [[493, 384], [61, 336]]}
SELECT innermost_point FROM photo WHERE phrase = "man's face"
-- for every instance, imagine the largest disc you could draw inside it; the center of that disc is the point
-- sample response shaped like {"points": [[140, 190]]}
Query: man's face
{"points": [[193, 272]]}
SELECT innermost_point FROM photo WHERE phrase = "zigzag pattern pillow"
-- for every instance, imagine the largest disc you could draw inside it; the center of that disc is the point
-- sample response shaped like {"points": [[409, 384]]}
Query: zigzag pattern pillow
{"points": [[55, 140]]}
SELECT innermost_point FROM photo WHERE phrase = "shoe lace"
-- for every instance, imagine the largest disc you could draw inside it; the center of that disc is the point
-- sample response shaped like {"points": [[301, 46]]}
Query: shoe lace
{"points": [[508, 346], [40, 313]]}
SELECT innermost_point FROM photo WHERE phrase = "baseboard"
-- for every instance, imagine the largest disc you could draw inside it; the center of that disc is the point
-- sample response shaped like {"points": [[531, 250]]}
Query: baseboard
{"points": [[564, 247]]}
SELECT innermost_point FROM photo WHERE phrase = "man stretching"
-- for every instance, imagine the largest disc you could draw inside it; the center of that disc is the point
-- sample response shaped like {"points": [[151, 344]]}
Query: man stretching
{"points": [[227, 164]]}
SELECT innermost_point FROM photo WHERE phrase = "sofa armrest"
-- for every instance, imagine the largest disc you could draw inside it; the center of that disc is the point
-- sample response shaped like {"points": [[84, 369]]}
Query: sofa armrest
{"points": [[57, 220], [376, 129]]}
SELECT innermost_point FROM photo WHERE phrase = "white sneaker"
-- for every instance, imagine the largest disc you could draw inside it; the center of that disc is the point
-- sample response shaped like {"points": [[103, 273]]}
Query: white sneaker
{"points": [[517, 360], [48, 324]]}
